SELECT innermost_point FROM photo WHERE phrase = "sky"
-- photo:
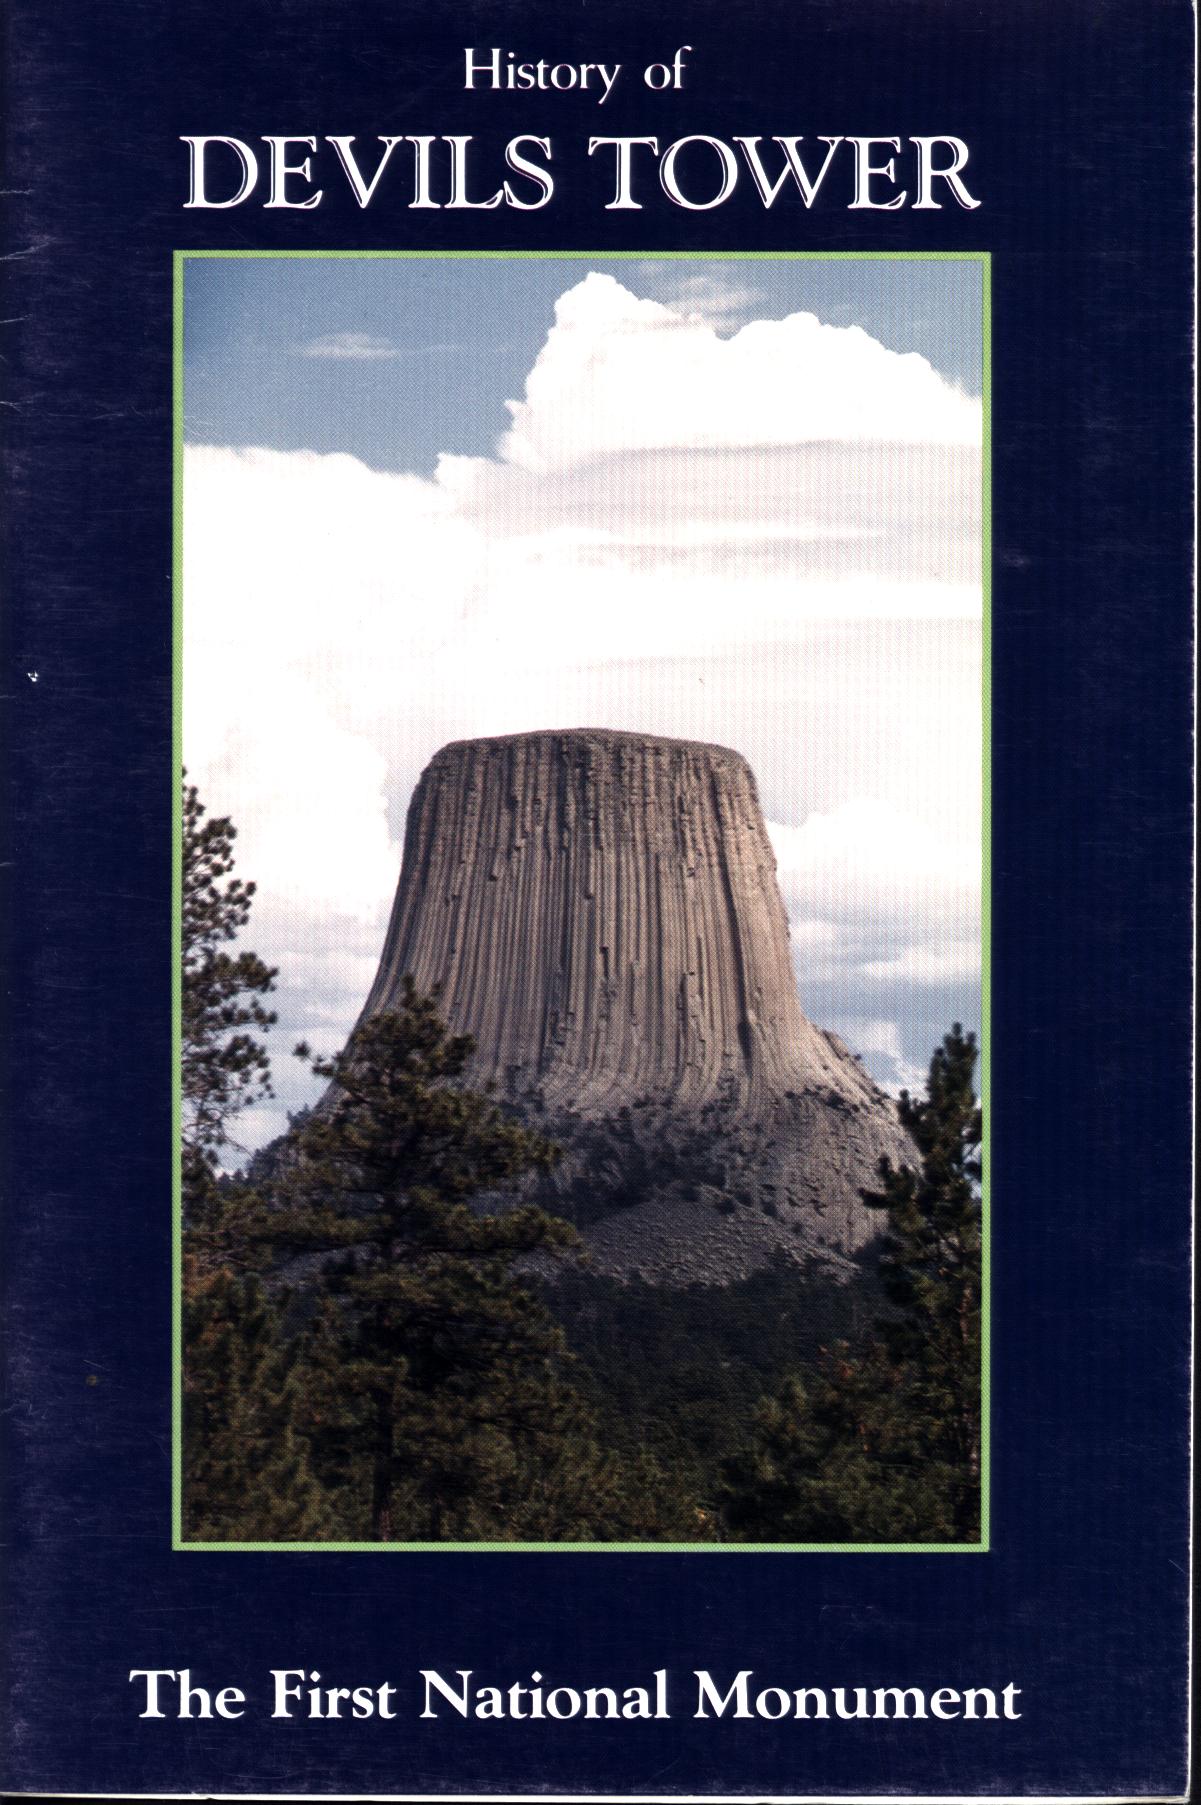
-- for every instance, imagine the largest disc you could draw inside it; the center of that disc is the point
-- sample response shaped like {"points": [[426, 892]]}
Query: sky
{"points": [[739, 501]]}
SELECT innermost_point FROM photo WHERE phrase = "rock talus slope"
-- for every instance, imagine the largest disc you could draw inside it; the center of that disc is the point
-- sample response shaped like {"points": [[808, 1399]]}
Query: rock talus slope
{"points": [[600, 911]]}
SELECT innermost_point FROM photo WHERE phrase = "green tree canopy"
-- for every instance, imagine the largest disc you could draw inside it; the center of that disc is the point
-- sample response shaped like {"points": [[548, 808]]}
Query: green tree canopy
{"points": [[439, 1389], [931, 1263], [882, 1442], [224, 1064], [247, 1472]]}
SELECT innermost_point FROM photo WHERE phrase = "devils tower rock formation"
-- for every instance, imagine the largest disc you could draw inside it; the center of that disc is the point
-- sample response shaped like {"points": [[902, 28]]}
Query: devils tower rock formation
{"points": [[599, 910]]}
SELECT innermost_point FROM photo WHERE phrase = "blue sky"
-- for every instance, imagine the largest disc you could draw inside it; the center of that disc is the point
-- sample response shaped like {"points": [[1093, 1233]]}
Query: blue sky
{"points": [[398, 360], [738, 501]]}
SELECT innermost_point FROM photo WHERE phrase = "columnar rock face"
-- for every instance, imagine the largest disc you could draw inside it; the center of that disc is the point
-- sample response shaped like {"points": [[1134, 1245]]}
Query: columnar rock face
{"points": [[600, 911]]}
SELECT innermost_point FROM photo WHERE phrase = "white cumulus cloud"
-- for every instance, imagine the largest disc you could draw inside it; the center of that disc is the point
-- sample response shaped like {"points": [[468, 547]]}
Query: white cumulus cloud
{"points": [[769, 540], [620, 373]]}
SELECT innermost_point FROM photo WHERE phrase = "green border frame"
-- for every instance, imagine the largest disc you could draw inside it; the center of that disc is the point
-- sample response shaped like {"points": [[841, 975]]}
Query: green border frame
{"points": [[180, 258]]}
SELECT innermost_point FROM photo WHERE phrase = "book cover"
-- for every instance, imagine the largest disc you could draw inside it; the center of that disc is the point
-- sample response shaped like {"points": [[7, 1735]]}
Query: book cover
{"points": [[599, 803]]}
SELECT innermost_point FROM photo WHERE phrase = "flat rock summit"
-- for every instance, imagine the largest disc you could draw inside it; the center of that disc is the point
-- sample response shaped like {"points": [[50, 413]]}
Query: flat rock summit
{"points": [[600, 911]]}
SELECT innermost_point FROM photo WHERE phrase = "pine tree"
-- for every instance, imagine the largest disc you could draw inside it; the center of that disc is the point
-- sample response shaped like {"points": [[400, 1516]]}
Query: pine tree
{"points": [[438, 1394], [931, 1270], [882, 1442], [247, 1474], [224, 1066]]}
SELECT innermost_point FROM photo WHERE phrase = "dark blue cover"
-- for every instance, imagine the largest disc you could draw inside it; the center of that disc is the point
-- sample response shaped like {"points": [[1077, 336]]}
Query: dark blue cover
{"points": [[1078, 118]]}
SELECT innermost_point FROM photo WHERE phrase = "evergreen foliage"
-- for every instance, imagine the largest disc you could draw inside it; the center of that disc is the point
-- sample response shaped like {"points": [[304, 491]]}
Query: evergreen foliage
{"points": [[247, 1474], [882, 1442], [224, 1066], [378, 1345], [931, 1269], [674, 1375], [439, 1403]]}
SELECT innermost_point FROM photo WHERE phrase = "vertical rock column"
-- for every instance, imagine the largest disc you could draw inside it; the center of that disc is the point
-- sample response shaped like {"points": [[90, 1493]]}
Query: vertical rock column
{"points": [[600, 911]]}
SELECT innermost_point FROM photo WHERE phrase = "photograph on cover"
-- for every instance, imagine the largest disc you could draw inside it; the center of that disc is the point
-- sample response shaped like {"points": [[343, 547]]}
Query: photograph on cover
{"points": [[582, 899]]}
